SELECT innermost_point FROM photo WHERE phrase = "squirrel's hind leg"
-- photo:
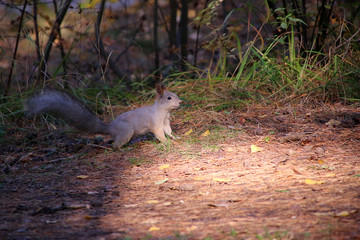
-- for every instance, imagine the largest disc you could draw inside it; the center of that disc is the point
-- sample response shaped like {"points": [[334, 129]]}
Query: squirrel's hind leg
{"points": [[122, 133]]}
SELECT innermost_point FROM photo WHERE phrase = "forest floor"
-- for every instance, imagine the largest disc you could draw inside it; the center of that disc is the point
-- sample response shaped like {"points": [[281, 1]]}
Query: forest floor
{"points": [[268, 173]]}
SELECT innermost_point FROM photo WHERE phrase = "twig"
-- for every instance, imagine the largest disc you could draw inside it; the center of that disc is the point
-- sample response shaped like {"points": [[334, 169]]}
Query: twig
{"points": [[15, 50], [100, 44], [61, 46], [131, 42], [54, 33]]}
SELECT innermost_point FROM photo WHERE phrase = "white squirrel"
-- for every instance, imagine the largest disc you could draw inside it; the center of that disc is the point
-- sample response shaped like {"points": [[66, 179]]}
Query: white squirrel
{"points": [[154, 118]]}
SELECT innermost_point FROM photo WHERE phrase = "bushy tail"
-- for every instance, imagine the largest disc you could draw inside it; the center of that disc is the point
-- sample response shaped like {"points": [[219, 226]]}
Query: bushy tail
{"points": [[67, 108]]}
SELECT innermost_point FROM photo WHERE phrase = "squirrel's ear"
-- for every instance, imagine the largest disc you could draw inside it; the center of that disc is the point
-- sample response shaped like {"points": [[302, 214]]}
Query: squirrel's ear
{"points": [[160, 88]]}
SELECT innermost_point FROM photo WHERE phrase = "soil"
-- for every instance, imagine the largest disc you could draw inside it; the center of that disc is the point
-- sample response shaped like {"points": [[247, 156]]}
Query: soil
{"points": [[264, 173]]}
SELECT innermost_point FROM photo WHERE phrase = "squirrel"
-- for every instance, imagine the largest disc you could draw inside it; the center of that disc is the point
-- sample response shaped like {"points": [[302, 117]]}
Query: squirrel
{"points": [[154, 118]]}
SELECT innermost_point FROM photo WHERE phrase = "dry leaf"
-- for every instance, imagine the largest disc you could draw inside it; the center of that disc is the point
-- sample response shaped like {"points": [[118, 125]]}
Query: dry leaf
{"points": [[164, 166], [192, 228], [130, 205], [161, 181], [312, 182], [225, 205], [78, 206], [320, 161], [206, 133], [342, 214], [255, 148], [296, 171], [152, 229], [188, 132], [242, 120], [221, 180], [323, 213], [330, 175], [82, 176], [152, 201]]}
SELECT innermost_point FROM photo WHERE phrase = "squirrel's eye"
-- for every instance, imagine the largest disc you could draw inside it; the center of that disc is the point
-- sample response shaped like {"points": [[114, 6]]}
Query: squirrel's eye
{"points": [[169, 98]]}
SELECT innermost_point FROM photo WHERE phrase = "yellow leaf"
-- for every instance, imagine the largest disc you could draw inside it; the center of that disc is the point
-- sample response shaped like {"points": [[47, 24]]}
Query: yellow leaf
{"points": [[188, 132], [221, 180], [164, 166], [312, 182], [342, 214], [82, 176], [152, 229], [320, 161], [255, 148], [152, 201], [330, 175], [206, 133]]}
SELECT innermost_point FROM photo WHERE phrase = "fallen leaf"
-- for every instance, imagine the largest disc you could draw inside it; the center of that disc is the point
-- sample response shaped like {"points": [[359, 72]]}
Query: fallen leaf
{"points": [[192, 228], [225, 205], [152, 229], [342, 214], [330, 175], [221, 180], [333, 123], [296, 171], [82, 176], [164, 166], [292, 137], [206, 133], [167, 203], [130, 205], [312, 182], [323, 214], [188, 132], [320, 161], [78, 206], [242, 120], [152, 201], [255, 148], [161, 181]]}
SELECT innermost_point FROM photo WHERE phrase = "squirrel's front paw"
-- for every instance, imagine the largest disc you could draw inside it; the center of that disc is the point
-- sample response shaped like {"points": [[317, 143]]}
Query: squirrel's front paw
{"points": [[175, 138]]}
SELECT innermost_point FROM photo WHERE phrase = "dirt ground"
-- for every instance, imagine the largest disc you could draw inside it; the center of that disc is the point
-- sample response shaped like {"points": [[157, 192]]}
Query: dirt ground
{"points": [[268, 173]]}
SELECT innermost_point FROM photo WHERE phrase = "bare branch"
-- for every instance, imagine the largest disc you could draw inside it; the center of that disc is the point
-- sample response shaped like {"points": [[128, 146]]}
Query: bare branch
{"points": [[100, 44], [15, 50]]}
